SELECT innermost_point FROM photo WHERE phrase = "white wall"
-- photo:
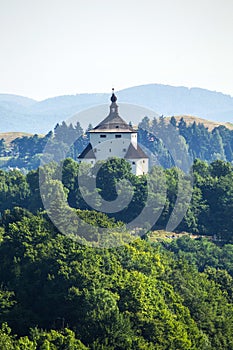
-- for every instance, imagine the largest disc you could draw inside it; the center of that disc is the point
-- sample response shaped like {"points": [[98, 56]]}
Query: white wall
{"points": [[134, 139], [111, 148], [96, 139], [87, 160], [140, 167]]}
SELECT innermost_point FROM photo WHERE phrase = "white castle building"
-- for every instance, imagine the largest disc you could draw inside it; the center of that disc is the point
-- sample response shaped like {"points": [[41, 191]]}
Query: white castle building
{"points": [[113, 137]]}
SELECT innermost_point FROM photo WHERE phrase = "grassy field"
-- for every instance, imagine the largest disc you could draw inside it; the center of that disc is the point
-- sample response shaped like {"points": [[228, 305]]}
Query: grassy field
{"points": [[162, 235], [10, 136], [207, 123], [3, 160]]}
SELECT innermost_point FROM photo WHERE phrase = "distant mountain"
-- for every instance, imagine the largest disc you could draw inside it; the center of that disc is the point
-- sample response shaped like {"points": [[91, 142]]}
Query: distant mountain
{"points": [[17, 100], [23, 114]]}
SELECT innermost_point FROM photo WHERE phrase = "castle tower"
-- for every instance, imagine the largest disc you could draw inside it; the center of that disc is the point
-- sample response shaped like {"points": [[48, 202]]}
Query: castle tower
{"points": [[113, 137]]}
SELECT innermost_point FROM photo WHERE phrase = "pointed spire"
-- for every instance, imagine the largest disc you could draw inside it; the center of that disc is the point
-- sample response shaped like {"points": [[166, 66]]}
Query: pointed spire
{"points": [[113, 121], [113, 97]]}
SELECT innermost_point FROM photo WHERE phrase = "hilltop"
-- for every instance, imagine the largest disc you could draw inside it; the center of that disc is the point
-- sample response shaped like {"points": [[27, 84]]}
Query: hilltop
{"points": [[10, 136], [209, 124]]}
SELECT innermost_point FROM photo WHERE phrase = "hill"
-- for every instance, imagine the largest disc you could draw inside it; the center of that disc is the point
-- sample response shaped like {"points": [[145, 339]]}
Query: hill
{"points": [[209, 124], [10, 136], [22, 114]]}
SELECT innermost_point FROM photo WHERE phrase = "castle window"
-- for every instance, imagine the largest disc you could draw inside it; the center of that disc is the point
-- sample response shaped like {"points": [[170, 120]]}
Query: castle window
{"points": [[95, 150], [124, 149], [110, 150], [143, 161], [102, 136], [117, 136], [117, 126]]}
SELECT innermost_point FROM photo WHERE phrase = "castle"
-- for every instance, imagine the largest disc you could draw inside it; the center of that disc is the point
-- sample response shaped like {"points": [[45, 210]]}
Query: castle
{"points": [[113, 137]]}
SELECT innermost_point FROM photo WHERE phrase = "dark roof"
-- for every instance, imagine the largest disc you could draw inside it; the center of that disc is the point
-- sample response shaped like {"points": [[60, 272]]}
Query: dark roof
{"points": [[113, 122], [135, 153], [87, 153]]}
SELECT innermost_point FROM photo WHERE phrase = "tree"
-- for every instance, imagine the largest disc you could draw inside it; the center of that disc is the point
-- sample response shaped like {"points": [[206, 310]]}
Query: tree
{"points": [[217, 146], [144, 124], [2, 148], [173, 121]]}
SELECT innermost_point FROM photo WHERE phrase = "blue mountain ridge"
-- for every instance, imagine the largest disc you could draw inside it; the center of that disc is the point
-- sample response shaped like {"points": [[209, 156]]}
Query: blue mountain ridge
{"points": [[19, 113]]}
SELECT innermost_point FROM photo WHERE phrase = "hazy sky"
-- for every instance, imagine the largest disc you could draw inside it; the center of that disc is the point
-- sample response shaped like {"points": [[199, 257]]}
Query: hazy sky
{"points": [[57, 47]]}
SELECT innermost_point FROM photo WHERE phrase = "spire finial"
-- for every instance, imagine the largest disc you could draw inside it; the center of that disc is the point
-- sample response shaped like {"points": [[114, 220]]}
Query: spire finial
{"points": [[113, 97]]}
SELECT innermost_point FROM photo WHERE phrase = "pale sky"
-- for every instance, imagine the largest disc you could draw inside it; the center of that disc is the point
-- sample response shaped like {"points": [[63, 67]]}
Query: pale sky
{"points": [[59, 47]]}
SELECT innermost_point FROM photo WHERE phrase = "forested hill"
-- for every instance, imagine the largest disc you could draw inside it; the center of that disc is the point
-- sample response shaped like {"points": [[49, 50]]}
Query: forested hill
{"points": [[189, 119], [58, 294], [207, 142], [26, 115]]}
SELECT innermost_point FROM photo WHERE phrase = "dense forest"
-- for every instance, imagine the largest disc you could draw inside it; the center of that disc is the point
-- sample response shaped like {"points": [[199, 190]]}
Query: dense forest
{"points": [[57, 293], [25, 152], [210, 211]]}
